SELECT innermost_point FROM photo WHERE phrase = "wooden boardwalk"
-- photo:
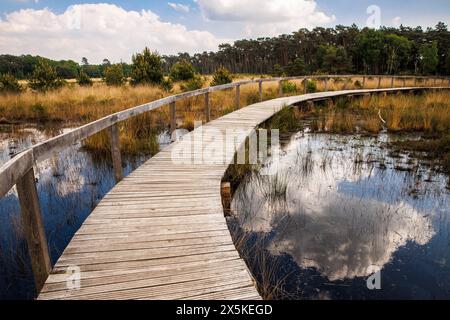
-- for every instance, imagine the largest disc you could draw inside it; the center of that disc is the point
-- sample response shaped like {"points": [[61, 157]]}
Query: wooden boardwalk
{"points": [[161, 233]]}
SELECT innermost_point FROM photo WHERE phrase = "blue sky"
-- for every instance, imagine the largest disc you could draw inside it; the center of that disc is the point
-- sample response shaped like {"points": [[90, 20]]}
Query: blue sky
{"points": [[183, 25]]}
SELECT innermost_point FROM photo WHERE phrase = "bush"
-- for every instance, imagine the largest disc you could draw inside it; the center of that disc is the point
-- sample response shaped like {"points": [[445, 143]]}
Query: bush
{"points": [[83, 79], [194, 84], [147, 68], [289, 87], [39, 111], [182, 71], [114, 75], [9, 84], [222, 76], [166, 85], [44, 77], [310, 85]]}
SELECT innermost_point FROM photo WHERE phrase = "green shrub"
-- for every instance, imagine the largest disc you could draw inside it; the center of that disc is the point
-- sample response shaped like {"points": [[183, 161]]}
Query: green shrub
{"points": [[182, 71], [114, 75], [194, 84], [166, 85], [39, 111], [9, 84], [84, 80], [289, 87], [44, 77], [310, 85], [222, 76], [147, 68]]}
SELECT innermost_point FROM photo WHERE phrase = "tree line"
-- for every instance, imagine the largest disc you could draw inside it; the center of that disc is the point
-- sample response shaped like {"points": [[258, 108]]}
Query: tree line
{"points": [[339, 50], [147, 68]]}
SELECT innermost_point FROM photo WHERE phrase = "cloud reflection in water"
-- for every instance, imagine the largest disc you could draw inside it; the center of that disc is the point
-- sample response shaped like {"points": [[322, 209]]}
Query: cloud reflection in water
{"points": [[320, 224]]}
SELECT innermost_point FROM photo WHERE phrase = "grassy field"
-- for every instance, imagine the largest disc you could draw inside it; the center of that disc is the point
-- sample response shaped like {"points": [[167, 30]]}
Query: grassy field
{"points": [[74, 105]]}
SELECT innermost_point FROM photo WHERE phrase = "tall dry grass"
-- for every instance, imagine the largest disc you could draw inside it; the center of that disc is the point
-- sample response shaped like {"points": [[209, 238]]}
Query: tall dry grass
{"points": [[74, 105]]}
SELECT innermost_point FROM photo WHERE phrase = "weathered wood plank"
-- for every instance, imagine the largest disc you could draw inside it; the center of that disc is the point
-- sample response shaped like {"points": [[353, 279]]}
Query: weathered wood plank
{"points": [[34, 229]]}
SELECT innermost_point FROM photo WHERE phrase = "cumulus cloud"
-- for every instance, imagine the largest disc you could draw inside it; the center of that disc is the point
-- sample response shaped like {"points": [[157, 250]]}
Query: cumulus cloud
{"points": [[97, 31], [266, 17], [179, 7]]}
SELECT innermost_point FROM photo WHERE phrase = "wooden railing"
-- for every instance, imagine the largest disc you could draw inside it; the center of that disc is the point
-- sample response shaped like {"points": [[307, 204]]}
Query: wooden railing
{"points": [[19, 170]]}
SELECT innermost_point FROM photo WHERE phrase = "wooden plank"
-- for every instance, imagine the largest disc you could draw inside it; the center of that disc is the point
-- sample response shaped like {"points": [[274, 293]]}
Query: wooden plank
{"points": [[207, 108], [13, 170], [115, 153], [173, 117], [34, 228]]}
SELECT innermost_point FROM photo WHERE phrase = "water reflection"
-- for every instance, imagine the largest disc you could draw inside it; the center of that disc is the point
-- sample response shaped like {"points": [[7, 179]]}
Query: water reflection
{"points": [[70, 186], [337, 206]]}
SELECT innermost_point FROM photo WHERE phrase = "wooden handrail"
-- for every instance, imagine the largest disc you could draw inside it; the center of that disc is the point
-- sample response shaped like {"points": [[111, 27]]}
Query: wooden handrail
{"points": [[19, 170]]}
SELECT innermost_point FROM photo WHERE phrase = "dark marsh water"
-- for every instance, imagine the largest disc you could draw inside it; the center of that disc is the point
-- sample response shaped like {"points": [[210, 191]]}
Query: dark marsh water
{"points": [[339, 209]]}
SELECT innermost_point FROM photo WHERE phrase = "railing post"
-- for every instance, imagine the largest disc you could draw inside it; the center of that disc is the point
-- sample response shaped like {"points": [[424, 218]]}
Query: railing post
{"points": [[404, 82], [392, 82], [415, 81], [34, 229], [238, 96], [280, 88], [173, 117], [207, 108], [326, 84], [115, 153], [260, 90], [364, 82], [379, 82], [306, 85], [435, 82]]}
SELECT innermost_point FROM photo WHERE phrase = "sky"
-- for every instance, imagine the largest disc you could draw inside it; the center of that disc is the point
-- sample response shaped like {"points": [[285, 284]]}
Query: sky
{"points": [[72, 29]]}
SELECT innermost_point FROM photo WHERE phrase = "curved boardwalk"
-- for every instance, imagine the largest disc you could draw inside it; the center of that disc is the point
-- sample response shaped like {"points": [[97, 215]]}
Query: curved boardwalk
{"points": [[161, 232]]}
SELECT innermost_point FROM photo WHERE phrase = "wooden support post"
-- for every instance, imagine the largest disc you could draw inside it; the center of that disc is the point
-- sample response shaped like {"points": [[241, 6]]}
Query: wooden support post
{"points": [[379, 82], [115, 153], [260, 90], [34, 229], [392, 82], [280, 88], [404, 82], [225, 191], [364, 83], [326, 84], [173, 117], [238, 96], [435, 82], [207, 108], [415, 81], [305, 82]]}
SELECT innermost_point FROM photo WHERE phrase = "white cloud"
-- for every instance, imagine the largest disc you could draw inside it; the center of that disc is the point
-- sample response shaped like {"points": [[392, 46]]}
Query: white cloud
{"points": [[179, 7], [266, 17], [397, 21], [97, 31]]}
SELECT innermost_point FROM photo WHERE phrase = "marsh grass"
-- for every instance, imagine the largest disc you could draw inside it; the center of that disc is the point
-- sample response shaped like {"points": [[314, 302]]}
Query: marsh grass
{"points": [[264, 266], [74, 105]]}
